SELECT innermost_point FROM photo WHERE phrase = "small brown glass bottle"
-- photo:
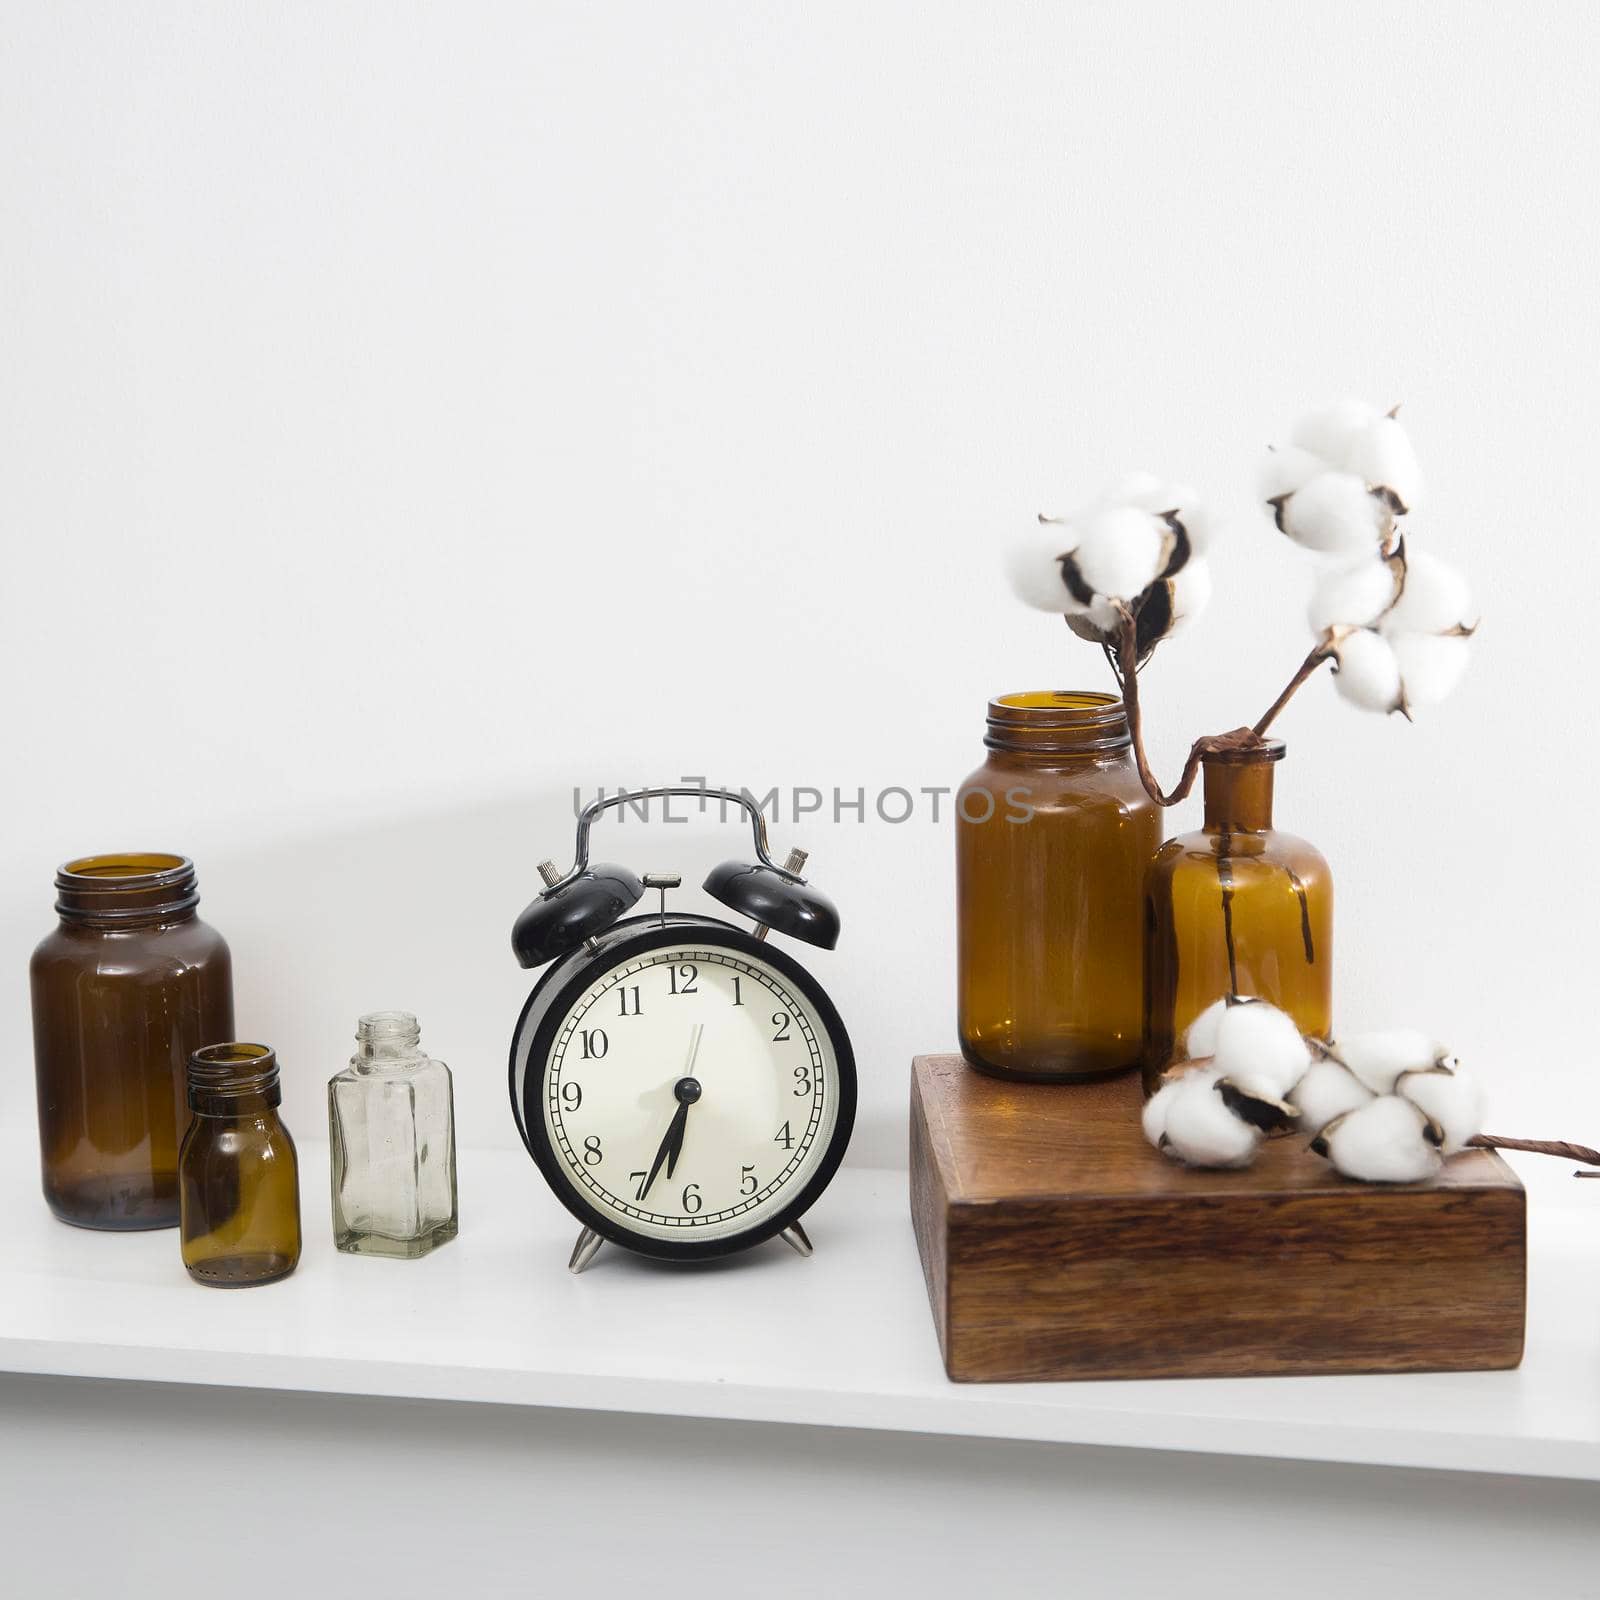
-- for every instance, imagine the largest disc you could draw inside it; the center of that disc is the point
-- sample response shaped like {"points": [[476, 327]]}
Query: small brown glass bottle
{"points": [[1053, 835], [238, 1175], [1237, 908], [128, 985]]}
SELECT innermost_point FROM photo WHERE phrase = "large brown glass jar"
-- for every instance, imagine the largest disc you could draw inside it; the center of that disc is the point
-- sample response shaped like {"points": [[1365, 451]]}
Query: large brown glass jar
{"points": [[1237, 908], [126, 987], [1053, 835], [239, 1174]]}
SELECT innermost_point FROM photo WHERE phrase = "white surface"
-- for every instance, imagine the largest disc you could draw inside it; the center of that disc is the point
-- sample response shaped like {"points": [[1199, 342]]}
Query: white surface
{"points": [[411, 413], [168, 1493], [844, 1339]]}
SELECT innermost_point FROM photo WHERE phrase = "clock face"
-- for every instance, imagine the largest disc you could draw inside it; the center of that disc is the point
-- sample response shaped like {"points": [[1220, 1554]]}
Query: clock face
{"points": [[692, 1092]]}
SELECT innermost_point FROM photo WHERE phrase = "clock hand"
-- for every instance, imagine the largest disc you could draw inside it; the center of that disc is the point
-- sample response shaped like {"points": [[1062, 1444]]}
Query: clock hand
{"points": [[669, 1144], [687, 1091]]}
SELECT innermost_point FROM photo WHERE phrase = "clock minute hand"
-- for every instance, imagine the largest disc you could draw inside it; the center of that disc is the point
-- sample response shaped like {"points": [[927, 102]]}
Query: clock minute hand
{"points": [[670, 1145]]}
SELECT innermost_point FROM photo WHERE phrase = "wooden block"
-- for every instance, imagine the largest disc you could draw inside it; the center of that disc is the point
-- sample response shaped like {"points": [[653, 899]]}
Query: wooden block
{"points": [[1058, 1244]]}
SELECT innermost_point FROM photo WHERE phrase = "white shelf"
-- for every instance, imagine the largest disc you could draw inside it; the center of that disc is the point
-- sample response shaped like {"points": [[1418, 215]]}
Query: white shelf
{"points": [[844, 1339]]}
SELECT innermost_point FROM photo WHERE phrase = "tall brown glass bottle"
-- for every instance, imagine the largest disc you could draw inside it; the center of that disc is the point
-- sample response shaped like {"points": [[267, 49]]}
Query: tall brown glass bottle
{"points": [[124, 989], [1237, 908], [239, 1174], [1053, 835]]}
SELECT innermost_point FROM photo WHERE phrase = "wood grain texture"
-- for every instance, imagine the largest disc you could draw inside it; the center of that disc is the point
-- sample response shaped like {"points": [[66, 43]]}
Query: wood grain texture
{"points": [[1058, 1244]]}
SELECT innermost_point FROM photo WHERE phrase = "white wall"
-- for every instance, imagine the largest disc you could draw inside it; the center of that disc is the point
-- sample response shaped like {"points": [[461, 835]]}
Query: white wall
{"points": [[410, 413]]}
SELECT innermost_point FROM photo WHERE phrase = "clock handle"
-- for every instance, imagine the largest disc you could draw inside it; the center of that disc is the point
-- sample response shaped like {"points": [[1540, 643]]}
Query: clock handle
{"points": [[758, 823]]}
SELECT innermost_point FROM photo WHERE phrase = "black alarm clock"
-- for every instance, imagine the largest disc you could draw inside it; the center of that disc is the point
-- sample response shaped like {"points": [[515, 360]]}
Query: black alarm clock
{"points": [[686, 1089]]}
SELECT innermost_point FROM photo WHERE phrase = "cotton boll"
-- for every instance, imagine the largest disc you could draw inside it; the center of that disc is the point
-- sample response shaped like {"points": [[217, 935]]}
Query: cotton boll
{"points": [[1121, 552], [1327, 1090], [1201, 1130], [1434, 597], [1454, 1099], [1354, 595], [1288, 468], [1333, 513], [1369, 673], [1335, 433], [1201, 1039], [1382, 454], [1190, 591], [1034, 568], [1260, 1049], [1385, 1141], [1379, 1058], [1430, 667], [1154, 1115]]}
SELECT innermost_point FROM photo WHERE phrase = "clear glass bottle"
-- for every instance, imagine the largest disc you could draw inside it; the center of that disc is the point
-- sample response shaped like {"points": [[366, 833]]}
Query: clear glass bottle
{"points": [[1054, 833], [128, 985], [1237, 908], [238, 1175], [391, 1124]]}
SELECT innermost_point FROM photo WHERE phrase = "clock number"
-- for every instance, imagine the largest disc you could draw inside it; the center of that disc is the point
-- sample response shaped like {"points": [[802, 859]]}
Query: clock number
{"points": [[738, 999], [780, 1021], [591, 1151], [571, 1096], [747, 1180], [802, 1082], [637, 1180], [784, 1137], [688, 972], [595, 1043], [625, 1010], [691, 1198]]}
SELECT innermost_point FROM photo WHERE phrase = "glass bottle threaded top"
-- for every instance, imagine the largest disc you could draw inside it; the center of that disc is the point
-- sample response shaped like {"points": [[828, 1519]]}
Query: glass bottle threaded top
{"points": [[1057, 724], [126, 889], [233, 1079], [386, 1036]]}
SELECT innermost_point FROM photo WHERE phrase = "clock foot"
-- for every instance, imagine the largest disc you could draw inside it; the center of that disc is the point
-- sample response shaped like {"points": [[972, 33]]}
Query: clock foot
{"points": [[585, 1250], [795, 1237]]}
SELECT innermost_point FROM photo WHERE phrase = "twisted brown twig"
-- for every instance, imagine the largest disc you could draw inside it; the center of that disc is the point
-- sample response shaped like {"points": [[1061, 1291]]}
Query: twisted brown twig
{"points": [[1542, 1147]]}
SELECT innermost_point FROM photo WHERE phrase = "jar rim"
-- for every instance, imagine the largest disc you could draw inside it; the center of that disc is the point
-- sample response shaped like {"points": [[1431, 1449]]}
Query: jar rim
{"points": [[124, 869], [1064, 722], [220, 1073], [1254, 755], [116, 888]]}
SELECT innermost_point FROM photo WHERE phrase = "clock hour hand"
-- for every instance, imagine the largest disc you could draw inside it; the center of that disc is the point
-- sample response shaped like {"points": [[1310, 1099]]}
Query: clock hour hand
{"points": [[670, 1146], [686, 1091]]}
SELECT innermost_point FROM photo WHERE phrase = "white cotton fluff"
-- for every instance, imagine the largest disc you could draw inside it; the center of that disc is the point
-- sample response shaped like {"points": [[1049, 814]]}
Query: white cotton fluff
{"points": [[1354, 594], [1287, 468], [1326, 1091], [1454, 1099], [1381, 453], [1334, 513], [1369, 671], [1119, 551], [1200, 1130], [1434, 597], [1382, 1142], [1201, 1039], [1154, 1116], [1430, 666], [1260, 1049], [1191, 592], [1033, 567], [1379, 1058], [1336, 431]]}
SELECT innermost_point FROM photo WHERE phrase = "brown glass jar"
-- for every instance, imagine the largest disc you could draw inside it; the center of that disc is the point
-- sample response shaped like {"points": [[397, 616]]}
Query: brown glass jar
{"points": [[1237, 908], [238, 1171], [1053, 835], [124, 990]]}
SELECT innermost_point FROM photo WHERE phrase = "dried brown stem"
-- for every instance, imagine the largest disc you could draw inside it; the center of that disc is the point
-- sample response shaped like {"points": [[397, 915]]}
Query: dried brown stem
{"points": [[1126, 661], [1320, 652], [1541, 1147]]}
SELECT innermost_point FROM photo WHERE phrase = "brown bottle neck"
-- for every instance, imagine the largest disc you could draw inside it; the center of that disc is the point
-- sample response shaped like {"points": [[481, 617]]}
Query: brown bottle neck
{"points": [[234, 1080], [1238, 793], [136, 890], [1046, 727]]}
